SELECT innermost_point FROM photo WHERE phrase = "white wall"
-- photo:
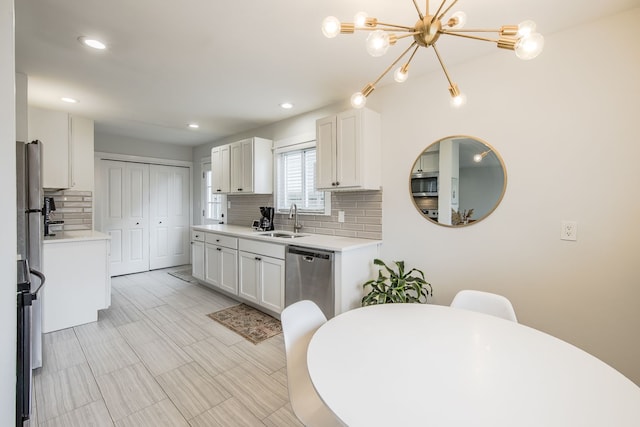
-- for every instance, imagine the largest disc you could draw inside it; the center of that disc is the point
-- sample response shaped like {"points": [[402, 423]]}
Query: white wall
{"points": [[7, 217], [566, 125], [136, 147]]}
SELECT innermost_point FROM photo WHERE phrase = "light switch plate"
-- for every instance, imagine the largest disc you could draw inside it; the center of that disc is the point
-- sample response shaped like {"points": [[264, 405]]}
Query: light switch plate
{"points": [[340, 216]]}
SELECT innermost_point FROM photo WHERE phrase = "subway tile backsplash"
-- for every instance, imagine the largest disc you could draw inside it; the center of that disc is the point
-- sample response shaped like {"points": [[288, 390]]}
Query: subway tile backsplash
{"points": [[75, 208], [362, 214]]}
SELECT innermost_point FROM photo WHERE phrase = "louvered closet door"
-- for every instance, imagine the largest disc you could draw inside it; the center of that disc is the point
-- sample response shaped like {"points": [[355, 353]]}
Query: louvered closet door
{"points": [[169, 216], [125, 215]]}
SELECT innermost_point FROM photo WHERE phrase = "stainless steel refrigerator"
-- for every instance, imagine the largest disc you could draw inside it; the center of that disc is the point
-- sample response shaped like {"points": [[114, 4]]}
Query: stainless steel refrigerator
{"points": [[30, 223]]}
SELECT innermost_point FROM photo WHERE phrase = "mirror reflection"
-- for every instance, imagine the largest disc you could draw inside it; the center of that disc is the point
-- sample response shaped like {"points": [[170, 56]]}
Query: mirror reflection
{"points": [[458, 181]]}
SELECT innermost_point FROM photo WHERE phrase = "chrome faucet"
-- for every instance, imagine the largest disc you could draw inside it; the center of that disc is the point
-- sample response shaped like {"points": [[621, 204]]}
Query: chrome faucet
{"points": [[293, 214]]}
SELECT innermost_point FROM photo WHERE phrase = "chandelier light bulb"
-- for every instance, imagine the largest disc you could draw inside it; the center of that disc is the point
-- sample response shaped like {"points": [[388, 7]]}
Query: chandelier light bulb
{"points": [[530, 46], [526, 27], [400, 75], [360, 19], [358, 100], [330, 27], [378, 43], [460, 19], [458, 100]]}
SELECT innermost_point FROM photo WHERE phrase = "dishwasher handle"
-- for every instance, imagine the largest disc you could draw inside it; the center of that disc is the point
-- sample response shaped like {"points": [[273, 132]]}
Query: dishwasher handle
{"points": [[308, 253]]}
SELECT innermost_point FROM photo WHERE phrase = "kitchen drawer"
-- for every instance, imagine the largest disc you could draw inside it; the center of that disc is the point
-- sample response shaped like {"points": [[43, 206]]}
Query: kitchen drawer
{"points": [[197, 236], [222, 240], [273, 250]]}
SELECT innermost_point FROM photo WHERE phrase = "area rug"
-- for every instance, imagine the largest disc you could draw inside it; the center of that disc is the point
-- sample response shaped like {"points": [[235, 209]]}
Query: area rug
{"points": [[248, 322], [184, 274]]}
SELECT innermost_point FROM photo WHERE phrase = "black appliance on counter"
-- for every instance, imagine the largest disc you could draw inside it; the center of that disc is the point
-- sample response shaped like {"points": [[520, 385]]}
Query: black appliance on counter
{"points": [[266, 221], [49, 207]]}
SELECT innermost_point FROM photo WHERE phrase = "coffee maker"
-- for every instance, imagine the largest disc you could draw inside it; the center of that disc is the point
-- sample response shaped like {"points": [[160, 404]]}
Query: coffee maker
{"points": [[266, 221]]}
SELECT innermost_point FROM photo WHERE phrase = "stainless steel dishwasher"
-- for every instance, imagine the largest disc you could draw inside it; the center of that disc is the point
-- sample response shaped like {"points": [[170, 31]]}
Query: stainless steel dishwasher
{"points": [[309, 276]]}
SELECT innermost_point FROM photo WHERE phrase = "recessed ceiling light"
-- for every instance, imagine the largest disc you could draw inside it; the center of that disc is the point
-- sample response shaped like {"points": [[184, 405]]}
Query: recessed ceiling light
{"points": [[88, 41], [194, 125], [69, 100], [286, 105]]}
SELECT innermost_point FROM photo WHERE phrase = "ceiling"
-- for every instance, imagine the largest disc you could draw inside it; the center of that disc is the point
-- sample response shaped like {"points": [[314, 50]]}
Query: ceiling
{"points": [[227, 65]]}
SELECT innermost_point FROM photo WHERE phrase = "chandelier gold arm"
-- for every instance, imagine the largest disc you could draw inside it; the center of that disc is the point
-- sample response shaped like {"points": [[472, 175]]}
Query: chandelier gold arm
{"points": [[469, 36], [446, 10], [446, 73], [407, 35], [390, 29], [508, 43], [405, 67], [435, 15], [418, 9], [395, 26], [384, 73]]}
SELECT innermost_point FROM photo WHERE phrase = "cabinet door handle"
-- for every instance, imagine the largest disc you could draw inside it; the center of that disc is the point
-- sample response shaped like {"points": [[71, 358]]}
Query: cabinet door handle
{"points": [[218, 249], [239, 189], [218, 190], [137, 223], [217, 240], [258, 258], [160, 222], [337, 183]]}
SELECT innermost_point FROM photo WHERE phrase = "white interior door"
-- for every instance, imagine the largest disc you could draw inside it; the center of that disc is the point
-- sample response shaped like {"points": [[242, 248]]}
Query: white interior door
{"points": [[169, 216], [125, 215]]}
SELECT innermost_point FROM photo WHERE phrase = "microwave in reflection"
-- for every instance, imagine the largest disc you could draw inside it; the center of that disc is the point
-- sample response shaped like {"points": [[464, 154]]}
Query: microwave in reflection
{"points": [[424, 184]]}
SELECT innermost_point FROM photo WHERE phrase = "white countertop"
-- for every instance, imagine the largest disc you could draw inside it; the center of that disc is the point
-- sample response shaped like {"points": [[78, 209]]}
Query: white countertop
{"points": [[318, 241], [75, 236]]}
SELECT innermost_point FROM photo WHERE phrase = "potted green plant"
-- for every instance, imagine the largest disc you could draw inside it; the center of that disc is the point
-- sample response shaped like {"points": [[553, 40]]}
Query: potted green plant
{"points": [[398, 286]]}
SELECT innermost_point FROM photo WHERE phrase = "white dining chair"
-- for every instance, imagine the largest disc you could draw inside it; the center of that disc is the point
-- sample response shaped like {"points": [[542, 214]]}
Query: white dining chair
{"points": [[299, 322], [485, 302]]}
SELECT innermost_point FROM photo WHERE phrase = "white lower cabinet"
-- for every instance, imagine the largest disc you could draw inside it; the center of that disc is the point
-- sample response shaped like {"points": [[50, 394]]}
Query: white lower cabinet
{"points": [[221, 262], [261, 274], [78, 281], [197, 254]]}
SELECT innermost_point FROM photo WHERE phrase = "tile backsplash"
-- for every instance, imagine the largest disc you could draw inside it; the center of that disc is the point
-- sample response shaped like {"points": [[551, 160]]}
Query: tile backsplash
{"points": [[362, 214], [75, 208]]}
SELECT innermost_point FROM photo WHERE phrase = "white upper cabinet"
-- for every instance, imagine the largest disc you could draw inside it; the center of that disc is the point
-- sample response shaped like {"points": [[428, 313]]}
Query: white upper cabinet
{"points": [[52, 128], [252, 166], [428, 162], [349, 151], [67, 148], [220, 163], [82, 149], [243, 167]]}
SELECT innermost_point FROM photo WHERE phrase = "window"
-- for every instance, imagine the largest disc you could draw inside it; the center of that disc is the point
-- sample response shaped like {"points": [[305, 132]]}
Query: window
{"points": [[213, 205], [296, 181]]}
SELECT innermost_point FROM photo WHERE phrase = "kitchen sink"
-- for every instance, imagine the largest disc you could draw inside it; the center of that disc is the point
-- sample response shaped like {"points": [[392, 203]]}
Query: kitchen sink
{"points": [[282, 235]]}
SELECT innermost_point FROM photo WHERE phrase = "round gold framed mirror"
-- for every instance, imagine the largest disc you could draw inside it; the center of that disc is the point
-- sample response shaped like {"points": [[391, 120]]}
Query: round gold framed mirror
{"points": [[457, 181]]}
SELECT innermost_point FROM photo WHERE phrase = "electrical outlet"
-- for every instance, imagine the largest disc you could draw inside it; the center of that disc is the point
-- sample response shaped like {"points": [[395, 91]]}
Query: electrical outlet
{"points": [[340, 216], [569, 230]]}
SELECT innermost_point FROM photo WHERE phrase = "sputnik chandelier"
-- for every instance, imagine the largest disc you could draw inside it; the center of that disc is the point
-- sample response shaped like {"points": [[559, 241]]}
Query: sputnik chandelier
{"points": [[521, 38]]}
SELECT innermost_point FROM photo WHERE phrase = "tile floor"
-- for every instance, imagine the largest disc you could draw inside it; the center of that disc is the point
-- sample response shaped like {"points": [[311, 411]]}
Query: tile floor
{"points": [[155, 359]]}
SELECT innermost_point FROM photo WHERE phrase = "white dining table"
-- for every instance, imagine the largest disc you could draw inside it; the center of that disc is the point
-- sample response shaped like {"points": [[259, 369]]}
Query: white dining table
{"points": [[429, 365]]}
